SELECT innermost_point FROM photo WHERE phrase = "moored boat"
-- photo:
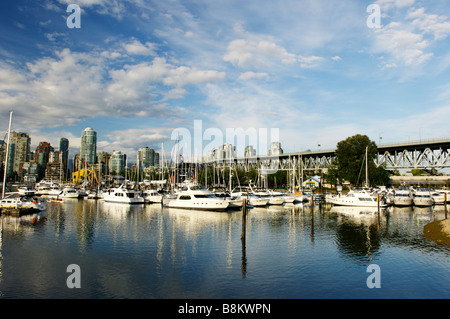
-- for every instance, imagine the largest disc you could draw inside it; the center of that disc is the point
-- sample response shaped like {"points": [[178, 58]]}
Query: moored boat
{"points": [[422, 198], [122, 195], [196, 197]]}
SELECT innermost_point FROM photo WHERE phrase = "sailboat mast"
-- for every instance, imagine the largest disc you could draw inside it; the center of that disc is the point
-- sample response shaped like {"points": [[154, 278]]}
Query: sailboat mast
{"points": [[7, 156], [367, 167]]}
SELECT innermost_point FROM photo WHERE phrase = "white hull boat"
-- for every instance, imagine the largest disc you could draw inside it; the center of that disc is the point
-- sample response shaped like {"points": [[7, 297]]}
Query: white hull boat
{"points": [[122, 196], [23, 203], [198, 198], [423, 198], [152, 196], [403, 197], [355, 199], [70, 192]]}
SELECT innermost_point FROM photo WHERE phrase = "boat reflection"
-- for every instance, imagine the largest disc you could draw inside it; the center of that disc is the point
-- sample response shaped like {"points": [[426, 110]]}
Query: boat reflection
{"points": [[355, 211]]}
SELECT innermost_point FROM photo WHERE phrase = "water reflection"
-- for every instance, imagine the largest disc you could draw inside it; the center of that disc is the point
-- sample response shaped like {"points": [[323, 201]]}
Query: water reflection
{"points": [[148, 251]]}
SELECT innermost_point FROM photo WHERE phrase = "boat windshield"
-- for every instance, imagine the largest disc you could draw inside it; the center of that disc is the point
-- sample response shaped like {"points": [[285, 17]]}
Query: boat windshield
{"points": [[204, 196]]}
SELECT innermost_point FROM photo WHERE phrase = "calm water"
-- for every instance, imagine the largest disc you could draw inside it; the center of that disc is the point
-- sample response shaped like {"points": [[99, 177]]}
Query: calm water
{"points": [[289, 252]]}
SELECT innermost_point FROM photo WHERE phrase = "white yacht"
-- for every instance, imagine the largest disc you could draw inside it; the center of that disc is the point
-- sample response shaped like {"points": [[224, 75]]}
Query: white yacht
{"points": [[24, 203], [360, 198], [403, 197], [122, 195], [152, 196], [253, 200], [287, 198], [26, 191], [272, 199], [196, 197], [69, 192], [48, 189], [423, 198], [439, 197]]}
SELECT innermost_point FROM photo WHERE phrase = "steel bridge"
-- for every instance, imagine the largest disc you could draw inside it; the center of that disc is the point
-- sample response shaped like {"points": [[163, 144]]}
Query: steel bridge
{"points": [[426, 154]]}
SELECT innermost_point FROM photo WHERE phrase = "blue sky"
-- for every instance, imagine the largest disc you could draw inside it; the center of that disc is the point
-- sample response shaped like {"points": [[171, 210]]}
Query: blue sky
{"points": [[137, 70]]}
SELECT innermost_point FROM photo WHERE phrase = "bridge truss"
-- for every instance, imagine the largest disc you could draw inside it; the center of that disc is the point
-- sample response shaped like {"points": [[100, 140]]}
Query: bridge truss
{"points": [[427, 155]]}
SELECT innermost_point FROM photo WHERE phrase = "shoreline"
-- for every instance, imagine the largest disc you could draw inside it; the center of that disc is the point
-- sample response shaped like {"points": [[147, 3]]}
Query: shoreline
{"points": [[438, 231]]}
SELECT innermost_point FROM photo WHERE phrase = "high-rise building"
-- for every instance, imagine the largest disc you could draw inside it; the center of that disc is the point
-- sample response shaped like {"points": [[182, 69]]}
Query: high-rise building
{"points": [[146, 157], [156, 159], [42, 156], [249, 151], [88, 148], [64, 149], [224, 152], [21, 142], [275, 149], [42, 153], [117, 162]]}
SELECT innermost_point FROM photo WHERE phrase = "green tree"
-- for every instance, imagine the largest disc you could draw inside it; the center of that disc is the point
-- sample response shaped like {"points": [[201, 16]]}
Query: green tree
{"points": [[350, 161]]}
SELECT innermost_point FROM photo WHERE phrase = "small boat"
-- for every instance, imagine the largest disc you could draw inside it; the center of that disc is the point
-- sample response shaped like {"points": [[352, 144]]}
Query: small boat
{"points": [[152, 196], [252, 199], [122, 195], [196, 197], [69, 192]]}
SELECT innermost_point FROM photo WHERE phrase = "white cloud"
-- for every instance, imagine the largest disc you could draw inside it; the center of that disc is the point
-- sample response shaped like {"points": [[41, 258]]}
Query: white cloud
{"points": [[137, 48], [389, 4], [403, 45], [260, 54], [253, 75], [411, 34], [114, 8], [71, 86], [438, 26]]}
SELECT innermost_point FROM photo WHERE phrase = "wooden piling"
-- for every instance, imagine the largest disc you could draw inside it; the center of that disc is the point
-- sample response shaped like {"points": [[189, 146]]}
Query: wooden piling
{"points": [[445, 204], [244, 219], [243, 238], [378, 214]]}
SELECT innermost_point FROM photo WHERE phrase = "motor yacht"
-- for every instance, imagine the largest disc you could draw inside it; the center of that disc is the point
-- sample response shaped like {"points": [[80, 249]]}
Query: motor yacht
{"points": [[196, 197], [356, 198], [422, 198], [69, 192], [152, 196], [403, 197], [122, 195], [252, 199]]}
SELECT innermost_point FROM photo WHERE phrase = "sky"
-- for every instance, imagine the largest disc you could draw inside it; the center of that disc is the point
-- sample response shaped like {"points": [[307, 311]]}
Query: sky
{"points": [[140, 72]]}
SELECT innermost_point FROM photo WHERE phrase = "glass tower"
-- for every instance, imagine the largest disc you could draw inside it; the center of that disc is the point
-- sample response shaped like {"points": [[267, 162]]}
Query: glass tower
{"points": [[88, 149]]}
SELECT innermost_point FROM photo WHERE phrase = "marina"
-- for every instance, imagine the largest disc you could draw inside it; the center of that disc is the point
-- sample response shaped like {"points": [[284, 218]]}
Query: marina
{"points": [[199, 150], [289, 251]]}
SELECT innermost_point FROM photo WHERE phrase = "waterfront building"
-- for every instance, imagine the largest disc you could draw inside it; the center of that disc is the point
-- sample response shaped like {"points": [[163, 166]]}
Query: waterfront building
{"points": [[42, 155], [2, 151], [275, 149], [117, 162], [21, 142], [224, 152], [249, 151], [103, 159], [88, 149], [64, 149], [146, 157], [156, 159]]}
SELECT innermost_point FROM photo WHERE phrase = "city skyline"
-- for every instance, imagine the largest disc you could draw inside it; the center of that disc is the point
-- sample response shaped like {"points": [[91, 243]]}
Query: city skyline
{"points": [[137, 71]]}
